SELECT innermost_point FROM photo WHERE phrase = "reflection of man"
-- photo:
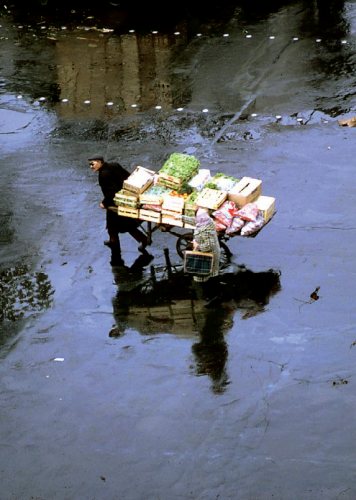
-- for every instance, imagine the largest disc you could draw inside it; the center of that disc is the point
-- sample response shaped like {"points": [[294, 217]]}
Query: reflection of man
{"points": [[111, 177], [211, 352]]}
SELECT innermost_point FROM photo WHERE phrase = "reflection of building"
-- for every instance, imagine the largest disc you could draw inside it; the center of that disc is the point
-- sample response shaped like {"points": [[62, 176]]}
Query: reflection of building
{"points": [[122, 70]]}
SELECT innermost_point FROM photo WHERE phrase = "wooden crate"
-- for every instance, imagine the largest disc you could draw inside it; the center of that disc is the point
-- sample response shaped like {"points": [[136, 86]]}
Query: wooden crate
{"points": [[190, 203], [267, 206], [166, 219], [140, 179], [126, 200], [128, 212], [166, 175], [150, 215], [245, 191], [172, 213], [211, 198], [174, 203], [189, 222], [169, 181], [153, 196]]}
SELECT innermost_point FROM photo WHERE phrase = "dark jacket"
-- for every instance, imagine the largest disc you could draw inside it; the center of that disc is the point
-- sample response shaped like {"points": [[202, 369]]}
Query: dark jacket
{"points": [[111, 179]]}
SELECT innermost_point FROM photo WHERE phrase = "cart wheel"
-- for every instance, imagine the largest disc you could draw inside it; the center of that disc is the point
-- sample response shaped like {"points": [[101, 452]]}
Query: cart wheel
{"points": [[184, 242], [225, 255]]}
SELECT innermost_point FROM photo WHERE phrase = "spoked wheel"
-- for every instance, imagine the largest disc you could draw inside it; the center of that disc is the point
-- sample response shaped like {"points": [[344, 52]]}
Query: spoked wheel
{"points": [[185, 242]]}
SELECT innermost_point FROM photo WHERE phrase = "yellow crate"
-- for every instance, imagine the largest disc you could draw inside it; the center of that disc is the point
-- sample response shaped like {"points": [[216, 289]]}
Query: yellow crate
{"points": [[140, 179], [150, 215], [128, 212], [211, 198]]}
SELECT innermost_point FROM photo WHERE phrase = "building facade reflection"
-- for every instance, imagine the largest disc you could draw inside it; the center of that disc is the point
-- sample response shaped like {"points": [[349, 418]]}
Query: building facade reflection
{"points": [[102, 75]]}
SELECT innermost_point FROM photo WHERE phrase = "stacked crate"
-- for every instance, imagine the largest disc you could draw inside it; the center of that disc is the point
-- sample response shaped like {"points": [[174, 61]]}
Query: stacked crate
{"points": [[151, 203], [211, 198], [127, 203], [172, 210], [177, 171], [127, 199], [190, 208]]}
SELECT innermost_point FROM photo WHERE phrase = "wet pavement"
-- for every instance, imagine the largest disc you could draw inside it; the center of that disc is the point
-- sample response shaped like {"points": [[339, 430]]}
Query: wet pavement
{"points": [[116, 386]]}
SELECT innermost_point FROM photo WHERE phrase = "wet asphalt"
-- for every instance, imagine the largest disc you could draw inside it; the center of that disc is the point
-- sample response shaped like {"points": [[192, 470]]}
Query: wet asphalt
{"points": [[116, 388]]}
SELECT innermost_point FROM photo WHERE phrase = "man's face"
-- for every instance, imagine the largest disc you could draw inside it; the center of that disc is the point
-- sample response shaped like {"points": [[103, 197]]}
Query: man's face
{"points": [[95, 165]]}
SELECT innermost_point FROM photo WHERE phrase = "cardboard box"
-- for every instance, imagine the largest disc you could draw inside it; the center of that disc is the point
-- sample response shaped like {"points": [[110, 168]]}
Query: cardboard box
{"points": [[245, 191], [267, 206]]}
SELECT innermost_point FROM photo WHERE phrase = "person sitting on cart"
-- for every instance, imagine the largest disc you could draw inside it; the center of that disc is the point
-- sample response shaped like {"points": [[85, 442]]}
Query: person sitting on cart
{"points": [[111, 177], [205, 239]]}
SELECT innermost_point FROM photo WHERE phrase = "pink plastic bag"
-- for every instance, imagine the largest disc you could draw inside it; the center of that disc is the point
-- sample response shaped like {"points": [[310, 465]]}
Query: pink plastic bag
{"points": [[235, 226], [225, 213], [249, 212], [253, 226]]}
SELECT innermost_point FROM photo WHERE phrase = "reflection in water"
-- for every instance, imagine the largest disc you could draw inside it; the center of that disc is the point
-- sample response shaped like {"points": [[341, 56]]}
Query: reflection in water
{"points": [[23, 292], [205, 313], [114, 73], [97, 68]]}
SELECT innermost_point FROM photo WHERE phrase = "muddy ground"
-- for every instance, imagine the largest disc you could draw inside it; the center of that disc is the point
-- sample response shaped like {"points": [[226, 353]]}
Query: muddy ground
{"points": [[106, 397]]}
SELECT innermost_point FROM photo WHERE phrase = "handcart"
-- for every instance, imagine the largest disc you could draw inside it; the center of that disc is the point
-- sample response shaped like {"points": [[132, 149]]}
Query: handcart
{"points": [[165, 202], [184, 238]]}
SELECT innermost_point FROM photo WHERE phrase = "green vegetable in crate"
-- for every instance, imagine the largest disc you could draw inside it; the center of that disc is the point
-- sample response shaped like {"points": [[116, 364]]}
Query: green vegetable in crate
{"points": [[222, 181], [180, 165], [211, 185]]}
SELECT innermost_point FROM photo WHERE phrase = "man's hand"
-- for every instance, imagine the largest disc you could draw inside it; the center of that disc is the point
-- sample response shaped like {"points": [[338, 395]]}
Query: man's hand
{"points": [[101, 205]]}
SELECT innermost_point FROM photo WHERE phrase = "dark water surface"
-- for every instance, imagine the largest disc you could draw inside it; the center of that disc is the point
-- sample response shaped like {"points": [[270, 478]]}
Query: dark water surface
{"points": [[115, 385]]}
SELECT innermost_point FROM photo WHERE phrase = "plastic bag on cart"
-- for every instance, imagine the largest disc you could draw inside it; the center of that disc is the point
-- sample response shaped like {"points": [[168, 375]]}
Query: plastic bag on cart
{"points": [[253, 226], [249, 212], [220, 228], [225, 213], [236, 225]]}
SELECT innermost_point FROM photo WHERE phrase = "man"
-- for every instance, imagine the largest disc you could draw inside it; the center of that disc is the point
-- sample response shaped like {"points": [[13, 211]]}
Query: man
{"points": [[111, 177]]}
